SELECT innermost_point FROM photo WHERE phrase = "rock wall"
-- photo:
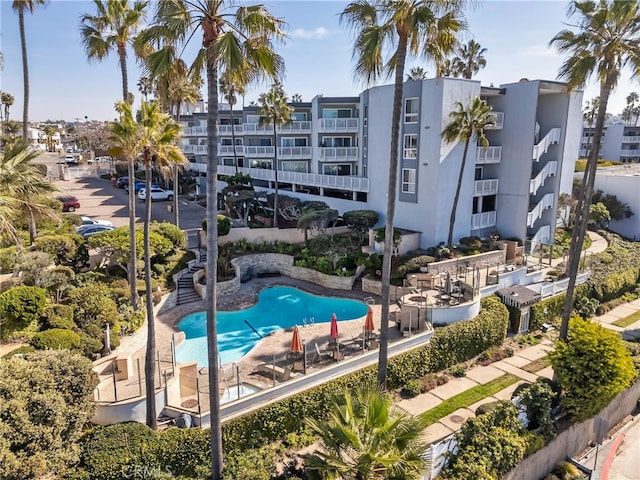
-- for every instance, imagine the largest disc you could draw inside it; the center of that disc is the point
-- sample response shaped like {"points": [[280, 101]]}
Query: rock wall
{"points": [[482, 260]]}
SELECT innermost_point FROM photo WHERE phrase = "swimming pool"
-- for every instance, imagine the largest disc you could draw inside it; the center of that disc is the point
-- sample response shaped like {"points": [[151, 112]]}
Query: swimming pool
{"points": [[277, 307]]}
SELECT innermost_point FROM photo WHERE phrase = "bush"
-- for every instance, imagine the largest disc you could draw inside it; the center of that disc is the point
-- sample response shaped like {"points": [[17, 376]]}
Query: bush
{"points": [[471, 243], [224, 225], [411, 388], [58, 316], [21, 306], [486, 407], [458, 371], [20, 351], [8, 258], [171, 233], [414, 264], [56, 339]]}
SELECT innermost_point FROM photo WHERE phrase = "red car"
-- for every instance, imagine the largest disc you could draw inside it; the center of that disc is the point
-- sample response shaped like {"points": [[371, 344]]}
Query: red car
{"points": [[69, 203]]}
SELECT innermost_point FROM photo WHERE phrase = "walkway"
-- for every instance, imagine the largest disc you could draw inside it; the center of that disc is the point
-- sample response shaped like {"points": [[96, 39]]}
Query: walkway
{"points": [[476, 376], [618, 313]]}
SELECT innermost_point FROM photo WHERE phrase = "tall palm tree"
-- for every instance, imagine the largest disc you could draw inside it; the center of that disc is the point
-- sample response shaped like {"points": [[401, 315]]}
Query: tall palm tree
{"points": [[632, 103], [469, 59], [605, 42], [466, 123], [7, 102], [405, 27], [416, 73], [145, 87], [155, 137], [230, 88], [589, 113], [23, 191], [20, 6], [296, 98], [368, 437], [274, 110], [234, 38], [113, 27], [49, 132]]}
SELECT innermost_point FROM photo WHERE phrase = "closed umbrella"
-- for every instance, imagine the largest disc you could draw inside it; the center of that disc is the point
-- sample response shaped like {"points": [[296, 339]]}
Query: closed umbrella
{"points": [[448, 288], [296, 341], [368, 322], [334, 327]]}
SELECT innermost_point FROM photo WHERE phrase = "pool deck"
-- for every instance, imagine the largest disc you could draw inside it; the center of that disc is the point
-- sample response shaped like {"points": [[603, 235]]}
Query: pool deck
{"points": [[277, 343]]}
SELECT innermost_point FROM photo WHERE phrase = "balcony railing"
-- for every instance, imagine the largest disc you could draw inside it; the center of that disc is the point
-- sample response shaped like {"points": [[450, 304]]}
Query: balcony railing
{"points": [[548, 170], [630, 139], [630, 153], [354, 184], [541, 206], [339, 124], [194, 132], [543, 235], [339, 154], [486, 155], [259, 151], [195, 149], [228, 150], [227, 130], [498, 120], [485, 187], [543, 145], [257, 129], [295, 127], [483, 220], [294, 153], [589, 140]]}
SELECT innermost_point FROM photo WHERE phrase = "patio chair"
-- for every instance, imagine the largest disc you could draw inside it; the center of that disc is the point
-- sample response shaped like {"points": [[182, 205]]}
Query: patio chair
{"points": [[318, 356]]}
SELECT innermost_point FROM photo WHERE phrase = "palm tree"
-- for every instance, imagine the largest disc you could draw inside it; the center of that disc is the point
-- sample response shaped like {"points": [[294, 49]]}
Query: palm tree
{"points": [[469, 59], [113, 28], [20, 6], [274, 110], [230, 88], [632, 104], [23, 191], [236, 39], [296, 98], [155, 136], [605, 42], [466, 123], [416, 73], [589, 113], [407, 28], [7, 102], [145, 87], [367, 437], [49, 132]]}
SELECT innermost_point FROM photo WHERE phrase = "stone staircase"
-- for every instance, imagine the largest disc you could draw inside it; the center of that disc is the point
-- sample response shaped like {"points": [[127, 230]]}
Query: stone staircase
{"points": [[185, 291]]}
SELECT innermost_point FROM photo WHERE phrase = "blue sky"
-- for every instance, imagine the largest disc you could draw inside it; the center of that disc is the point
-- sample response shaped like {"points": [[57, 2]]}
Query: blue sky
{"points": [[317, 55]]}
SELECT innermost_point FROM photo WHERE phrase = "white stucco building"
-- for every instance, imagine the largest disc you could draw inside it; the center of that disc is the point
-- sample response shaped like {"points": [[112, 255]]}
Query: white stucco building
{"points": [[337, 150], [624, 183], [619, 142]]}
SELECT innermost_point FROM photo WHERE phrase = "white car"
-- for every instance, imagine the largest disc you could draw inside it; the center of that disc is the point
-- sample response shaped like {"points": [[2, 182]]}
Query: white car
{"points": [[91, 221], [157, 193]]}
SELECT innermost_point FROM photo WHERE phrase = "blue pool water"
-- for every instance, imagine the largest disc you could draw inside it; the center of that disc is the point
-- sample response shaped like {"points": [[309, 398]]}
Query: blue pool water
{"points": [[277, 307]]}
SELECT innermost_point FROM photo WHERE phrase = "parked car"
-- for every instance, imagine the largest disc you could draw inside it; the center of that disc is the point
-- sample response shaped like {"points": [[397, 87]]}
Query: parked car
{"points": [[138, 185], [70, 160], [88, 230], [69, 203], [157, 193], [91, 221], [122, 181]]}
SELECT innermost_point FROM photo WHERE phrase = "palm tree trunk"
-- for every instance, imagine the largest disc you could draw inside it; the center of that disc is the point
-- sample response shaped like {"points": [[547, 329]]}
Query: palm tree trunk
{"points": [[133, 258], [122, 54], [275, 167], [401, 53], [25, 74], [32, 227], [456, 197], [149, 359], [176, 178], [212, 260], [233, 138], [582, 208]]}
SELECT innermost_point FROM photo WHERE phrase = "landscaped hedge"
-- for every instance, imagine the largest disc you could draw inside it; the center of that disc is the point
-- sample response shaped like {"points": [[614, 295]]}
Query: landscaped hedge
{"points": [[56, 339], [450, 345], [548, 310]]}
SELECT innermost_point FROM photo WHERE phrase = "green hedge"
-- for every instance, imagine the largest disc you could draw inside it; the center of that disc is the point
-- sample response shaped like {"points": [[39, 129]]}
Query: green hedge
{"points": [[548, 310], [56, 339], [449, 345]]}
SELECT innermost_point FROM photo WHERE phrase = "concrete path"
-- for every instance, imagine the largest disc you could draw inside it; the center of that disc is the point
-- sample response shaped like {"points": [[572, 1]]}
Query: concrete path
{"points": [[475, 376], [616, 314]]}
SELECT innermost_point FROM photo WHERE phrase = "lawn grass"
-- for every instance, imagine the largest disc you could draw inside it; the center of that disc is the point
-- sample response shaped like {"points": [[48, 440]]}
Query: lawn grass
{"points": [[537, 365], [468, 397], [628, 320]]}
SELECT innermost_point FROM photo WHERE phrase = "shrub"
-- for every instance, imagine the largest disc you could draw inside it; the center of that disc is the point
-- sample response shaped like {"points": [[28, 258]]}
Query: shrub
{"points": [[458, 371], [21, 306], [411, 388], [414, 264], [534, 441], [360, 221], [170, 232], [486, 407], [8, 258], [20, 351], [224, 225], [58, 316], [56, 339], [538, 398], [471, 243]]}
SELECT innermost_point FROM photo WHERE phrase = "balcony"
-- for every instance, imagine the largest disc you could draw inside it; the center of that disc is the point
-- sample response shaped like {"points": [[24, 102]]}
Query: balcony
{"points": [[294, 153], [485, 155], [259, 151], [543, 145], [228, 150], [543, 235], [630, 153], [194, 132], [339, 154], [483, 220], [354, 184], [328, 125], [498, 118], [485, 187], [630, 139], [195, 149], [295, 127], [226, 130], [589, 140], [257, 129], [549, 169], [538, 210]]}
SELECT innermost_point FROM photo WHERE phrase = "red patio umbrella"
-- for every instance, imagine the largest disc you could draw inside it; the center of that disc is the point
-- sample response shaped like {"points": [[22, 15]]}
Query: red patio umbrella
{"points": [[296, 341], [334, 327], [368, 322]]}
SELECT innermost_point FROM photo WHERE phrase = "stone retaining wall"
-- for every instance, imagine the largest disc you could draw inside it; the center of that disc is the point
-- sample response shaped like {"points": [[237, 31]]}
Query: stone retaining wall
{"points": [[310, 275], [481, 260], [371, 284]]}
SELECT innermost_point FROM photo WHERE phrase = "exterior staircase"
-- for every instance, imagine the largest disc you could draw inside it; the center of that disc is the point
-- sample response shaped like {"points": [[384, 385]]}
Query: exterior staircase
{"points": [[185, 291]]}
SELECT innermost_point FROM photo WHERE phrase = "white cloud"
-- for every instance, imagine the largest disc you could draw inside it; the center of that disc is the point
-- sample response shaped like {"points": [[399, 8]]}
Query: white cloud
{"points": [[315, 34], [538, 51]]}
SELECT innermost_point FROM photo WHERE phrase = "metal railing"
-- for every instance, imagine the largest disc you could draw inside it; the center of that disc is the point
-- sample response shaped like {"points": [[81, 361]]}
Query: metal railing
{"points": [[548, 170], [498, 118], [339, 124], [483, 220], [541, 206], [286, 153], [543, 145], [485, 187], [339, 154], [486, 155]]}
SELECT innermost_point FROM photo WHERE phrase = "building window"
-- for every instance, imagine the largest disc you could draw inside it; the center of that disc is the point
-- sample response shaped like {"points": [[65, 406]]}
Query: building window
{"points": [[489, 203], [410, 146], [339, 169], [293, 142], [336, 142], [411, 110], [336, 113], [253, 119], [408, 180], [300, 167], [478, 173], [228, 161], [299, 116], [264, 164]]}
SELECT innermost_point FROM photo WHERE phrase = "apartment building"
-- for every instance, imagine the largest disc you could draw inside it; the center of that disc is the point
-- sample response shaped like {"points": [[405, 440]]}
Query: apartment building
{"points": [[619, 142], [336, 149], [623, 181]]}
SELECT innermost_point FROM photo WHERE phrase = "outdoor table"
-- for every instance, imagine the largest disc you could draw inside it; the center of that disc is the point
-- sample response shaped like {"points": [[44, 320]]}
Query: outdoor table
{"points": [[368, 336], [334, 346]]}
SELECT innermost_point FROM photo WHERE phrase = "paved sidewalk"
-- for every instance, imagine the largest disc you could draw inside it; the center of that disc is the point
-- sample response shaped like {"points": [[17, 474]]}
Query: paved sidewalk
{"points": [[476, 376], [617, 313]]}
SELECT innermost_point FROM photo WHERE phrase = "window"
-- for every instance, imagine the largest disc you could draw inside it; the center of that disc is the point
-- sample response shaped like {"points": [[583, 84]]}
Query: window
{"points": [[489, 203], [340, 170], [254, 119], [336, 142], [410, 146], [295, 167], [265, 142], [408, 180], [336, 113], [298, 116], [293, 142], [411, 110], [228, 161], [478, 173], [265, 164]]}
